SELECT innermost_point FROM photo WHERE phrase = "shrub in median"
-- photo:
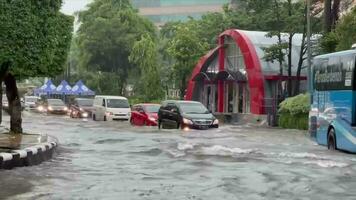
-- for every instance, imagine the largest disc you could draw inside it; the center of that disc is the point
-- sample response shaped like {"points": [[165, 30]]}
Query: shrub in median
{"points": [[293, 112]]}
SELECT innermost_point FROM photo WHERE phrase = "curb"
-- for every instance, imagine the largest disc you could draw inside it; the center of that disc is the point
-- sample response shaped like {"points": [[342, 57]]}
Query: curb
{"points": [[28, 156]]}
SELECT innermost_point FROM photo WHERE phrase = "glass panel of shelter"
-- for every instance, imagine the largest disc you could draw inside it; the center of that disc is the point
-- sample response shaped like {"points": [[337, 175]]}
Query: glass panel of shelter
{"points": [[237, 97]]}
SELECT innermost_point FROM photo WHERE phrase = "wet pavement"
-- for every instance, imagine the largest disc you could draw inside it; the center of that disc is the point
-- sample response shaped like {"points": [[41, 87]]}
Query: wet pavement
{"points": [[112, 160], [10, 141]]}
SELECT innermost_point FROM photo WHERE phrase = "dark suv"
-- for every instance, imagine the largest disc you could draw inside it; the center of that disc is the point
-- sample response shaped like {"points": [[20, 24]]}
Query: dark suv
{"points": [[185, 114]]}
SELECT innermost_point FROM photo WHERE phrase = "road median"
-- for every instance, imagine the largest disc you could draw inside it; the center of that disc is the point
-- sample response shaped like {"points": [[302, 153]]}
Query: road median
{"points": [[19, 150]]}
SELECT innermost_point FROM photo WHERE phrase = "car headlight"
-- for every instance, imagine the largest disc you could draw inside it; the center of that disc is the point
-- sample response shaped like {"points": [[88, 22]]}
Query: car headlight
{"points": [[40, 108], [65, 108], [50, 108], [81, 109], [187, 121], [216, 122], [85, 114], [152, 118]]}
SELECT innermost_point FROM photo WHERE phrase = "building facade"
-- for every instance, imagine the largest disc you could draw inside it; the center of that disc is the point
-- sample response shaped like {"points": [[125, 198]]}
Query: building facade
{"points": [[163, 11], [235, 78]]}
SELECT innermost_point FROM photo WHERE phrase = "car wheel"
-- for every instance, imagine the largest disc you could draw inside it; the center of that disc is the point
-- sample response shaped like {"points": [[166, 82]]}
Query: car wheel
{"points": [[178, 126], [332, 140], [94, 117], [159, 124], [105, 119]]}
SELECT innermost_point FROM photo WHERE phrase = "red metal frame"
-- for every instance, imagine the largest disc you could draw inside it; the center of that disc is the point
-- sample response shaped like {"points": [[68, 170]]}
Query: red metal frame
{"points": [[253, 69], [197, 69], [221, 88]]}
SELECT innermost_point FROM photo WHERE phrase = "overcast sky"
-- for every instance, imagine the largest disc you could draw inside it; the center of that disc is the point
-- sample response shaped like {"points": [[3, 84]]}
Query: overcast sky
{"points": [[71, 6]]}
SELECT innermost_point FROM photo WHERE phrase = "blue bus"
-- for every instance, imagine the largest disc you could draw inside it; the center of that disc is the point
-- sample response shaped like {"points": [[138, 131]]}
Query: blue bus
{"points": [[332, 116]]}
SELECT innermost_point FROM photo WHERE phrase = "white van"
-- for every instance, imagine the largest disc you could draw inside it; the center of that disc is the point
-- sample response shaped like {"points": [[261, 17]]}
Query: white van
{"points": [[111, 108]]}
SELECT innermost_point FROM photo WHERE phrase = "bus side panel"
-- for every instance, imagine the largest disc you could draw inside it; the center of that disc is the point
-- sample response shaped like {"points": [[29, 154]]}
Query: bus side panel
{"points": [[345, 135], [333, 104], [322, 129]]}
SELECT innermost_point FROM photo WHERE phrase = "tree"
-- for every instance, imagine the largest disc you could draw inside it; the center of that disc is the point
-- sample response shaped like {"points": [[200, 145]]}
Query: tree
{"points": [[288, 19], [106, 36], [35, 38], [186, 47], [331, 14], [145, 55], [345, 31]]}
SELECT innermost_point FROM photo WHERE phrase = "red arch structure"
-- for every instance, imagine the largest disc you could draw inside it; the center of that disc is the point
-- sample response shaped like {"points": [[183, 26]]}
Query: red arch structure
{"points": [[253, 69]]}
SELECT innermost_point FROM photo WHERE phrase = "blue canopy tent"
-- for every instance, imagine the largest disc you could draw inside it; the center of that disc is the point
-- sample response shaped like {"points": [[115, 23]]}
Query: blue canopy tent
{"points": [[80, 89], [63, 88], [47, 89]]}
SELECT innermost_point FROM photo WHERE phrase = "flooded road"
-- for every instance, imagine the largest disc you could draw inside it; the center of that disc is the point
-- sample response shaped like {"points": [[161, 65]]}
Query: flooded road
{"points": [[112, 160]]}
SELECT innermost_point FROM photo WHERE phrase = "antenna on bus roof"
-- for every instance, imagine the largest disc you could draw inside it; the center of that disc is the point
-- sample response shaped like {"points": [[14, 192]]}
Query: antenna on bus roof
{"points": [[353, 46]]}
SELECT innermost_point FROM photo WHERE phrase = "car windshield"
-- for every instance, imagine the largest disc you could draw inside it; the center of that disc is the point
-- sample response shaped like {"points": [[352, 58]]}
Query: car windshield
{"points": [[117, 103], [152, 108], [55, 102], [193, 108], [85, 102]]}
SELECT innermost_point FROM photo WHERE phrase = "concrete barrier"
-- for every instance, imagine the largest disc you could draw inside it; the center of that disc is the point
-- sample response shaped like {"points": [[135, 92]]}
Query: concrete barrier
{"points": [[27, 157]]}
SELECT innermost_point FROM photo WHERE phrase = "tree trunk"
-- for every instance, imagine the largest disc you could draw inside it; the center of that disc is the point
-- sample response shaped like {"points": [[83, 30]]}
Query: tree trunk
{"points": [[4, 67], [290, 86], [301, 56], [14, 104], [327, 16], [290, 45], [0, 101], [335, 13], [182, 88]]}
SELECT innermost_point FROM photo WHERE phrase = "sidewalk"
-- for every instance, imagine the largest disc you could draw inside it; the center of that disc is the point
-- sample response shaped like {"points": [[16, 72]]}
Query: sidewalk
{"points": [[17, 150], [20, 141]]}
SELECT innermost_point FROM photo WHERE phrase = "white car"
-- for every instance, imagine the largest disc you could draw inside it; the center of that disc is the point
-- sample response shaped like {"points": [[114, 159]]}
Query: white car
{"points": [[31, 102], [111, 108]]}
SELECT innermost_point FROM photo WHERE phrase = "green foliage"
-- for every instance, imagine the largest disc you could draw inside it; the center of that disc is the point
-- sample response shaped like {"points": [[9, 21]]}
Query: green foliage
{"points": [[101, 82], [186, 47], [145, 54], [106, 37], [346, 31], [275, 52], [300, 121], [295, 105], [293, 112], [35, 37], [344, 35], [329, 42]]}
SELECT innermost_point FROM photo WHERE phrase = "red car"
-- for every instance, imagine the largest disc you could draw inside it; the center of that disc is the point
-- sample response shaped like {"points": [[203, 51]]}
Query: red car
{"points": [[144, 114]]}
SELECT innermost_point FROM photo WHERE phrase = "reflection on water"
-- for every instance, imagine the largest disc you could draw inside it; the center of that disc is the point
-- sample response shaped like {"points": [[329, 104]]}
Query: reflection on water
{"points": [[111, 160]]}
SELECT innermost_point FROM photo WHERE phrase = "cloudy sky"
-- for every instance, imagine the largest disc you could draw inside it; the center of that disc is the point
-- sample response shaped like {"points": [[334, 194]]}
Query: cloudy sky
{"points": [[71, 6]]}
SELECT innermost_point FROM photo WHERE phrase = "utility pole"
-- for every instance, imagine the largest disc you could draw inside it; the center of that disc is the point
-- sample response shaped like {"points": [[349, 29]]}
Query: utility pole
{"points": [[310, 81]]}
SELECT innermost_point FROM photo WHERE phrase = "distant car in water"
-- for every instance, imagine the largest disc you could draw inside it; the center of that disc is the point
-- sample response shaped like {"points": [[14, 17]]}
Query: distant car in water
{"points": [[185, 115], [56, 106], [81, 108], [144, 114], [111, 108], [31, 102]]}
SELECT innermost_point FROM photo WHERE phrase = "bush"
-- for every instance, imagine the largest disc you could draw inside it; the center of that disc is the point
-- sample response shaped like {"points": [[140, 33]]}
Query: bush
{"points": [[293, 112]]}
